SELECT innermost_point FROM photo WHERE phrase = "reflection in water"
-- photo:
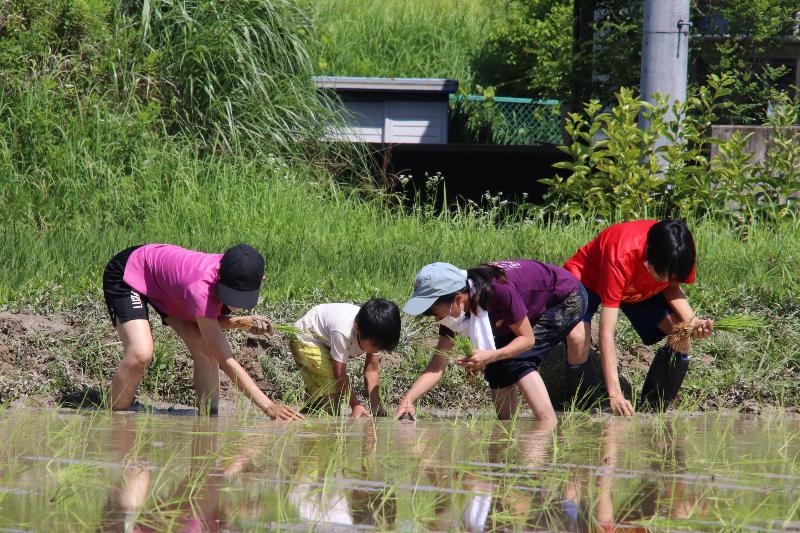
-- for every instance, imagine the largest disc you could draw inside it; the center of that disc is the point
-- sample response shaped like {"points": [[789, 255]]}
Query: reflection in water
{"points": [[125, 472], [192, 506]]}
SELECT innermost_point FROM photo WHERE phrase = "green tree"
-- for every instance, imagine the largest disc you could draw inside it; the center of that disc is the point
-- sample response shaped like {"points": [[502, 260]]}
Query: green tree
{"points": [[736, 37], [529, 53], [576, 50]]}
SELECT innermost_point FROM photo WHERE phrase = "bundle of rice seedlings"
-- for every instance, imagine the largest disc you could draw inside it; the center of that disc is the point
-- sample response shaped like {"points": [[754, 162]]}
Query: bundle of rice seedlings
{"points": [[246, 323], [463, 345], [734, 323]]}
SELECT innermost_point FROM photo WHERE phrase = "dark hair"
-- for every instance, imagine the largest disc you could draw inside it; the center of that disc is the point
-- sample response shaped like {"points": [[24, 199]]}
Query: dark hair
{"points": [[670, 249], [481, 277], [379, 321]]}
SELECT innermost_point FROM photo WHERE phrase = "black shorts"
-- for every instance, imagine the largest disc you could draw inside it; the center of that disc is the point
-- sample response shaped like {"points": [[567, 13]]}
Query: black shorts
{"points": [[548, 332], [644, 316], [122, 301]]}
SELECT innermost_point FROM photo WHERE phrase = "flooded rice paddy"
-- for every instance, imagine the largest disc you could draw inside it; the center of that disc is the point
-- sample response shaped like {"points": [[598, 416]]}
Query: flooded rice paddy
{"points": [[92, 471]]}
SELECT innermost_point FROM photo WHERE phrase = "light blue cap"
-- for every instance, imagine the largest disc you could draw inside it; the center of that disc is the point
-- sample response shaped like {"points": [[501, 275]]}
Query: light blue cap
{"points": [[433, 281]]}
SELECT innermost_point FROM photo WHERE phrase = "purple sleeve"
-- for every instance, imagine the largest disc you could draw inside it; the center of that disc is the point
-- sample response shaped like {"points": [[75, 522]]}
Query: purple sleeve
{"points": [[507, 304]]}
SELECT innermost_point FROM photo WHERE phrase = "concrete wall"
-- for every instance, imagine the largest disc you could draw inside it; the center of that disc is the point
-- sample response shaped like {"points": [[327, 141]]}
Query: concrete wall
{"points": [[758, 142]]}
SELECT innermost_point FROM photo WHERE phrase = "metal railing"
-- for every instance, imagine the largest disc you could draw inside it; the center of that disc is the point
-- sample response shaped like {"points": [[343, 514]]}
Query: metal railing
{"points": [[521, 120]]}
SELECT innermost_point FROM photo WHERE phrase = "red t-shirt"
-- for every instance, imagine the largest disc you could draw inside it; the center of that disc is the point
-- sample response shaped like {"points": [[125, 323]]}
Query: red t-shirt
{"points": [[612, 265]]}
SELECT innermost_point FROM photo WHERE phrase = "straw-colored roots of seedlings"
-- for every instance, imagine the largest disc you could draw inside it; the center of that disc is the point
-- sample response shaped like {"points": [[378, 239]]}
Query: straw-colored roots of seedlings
{"points": [[681, 332]]}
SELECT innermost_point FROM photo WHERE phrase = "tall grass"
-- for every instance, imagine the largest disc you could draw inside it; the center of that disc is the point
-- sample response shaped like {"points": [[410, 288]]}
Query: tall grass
{"points": [[403, 38], [236, 71], [97, 191]]}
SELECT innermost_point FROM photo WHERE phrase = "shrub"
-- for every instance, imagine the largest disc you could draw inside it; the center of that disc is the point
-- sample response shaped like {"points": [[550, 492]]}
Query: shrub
{"points": [[618, 170]]}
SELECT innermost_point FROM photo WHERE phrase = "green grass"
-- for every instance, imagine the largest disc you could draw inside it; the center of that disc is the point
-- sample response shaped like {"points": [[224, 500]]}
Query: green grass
{"points": [[404, 38], [89, 166], [101, 186]]}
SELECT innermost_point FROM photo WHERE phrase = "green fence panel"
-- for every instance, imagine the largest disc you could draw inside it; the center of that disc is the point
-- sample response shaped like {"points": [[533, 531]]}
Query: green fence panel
{"points": [[525, 120]]}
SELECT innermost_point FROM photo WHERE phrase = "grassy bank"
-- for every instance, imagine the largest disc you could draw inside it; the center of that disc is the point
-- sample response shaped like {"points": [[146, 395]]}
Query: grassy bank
{"points": [[325, 243], [93, 161], [405, 38]]}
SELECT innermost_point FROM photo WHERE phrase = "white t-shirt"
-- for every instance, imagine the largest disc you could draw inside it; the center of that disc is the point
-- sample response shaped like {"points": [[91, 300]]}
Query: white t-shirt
{"points": [[331, 326]]}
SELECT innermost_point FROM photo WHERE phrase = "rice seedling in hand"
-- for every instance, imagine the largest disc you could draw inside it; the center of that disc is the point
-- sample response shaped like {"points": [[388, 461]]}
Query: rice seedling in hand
{"points": [[734, 324], [463, 345], [247, 323]]}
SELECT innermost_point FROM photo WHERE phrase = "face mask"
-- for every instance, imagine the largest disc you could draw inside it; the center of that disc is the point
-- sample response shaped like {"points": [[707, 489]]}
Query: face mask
{"points": [[458, 324]]}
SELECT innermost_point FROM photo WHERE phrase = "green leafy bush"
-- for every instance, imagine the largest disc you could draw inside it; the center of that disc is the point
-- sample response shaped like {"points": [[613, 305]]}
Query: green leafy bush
{"points": [[618, 170], [477, 121], [529, 51]]}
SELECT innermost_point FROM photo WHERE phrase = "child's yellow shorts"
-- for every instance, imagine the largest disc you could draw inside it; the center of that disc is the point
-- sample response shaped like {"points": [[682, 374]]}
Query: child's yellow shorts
{"points": [[316, 368]]}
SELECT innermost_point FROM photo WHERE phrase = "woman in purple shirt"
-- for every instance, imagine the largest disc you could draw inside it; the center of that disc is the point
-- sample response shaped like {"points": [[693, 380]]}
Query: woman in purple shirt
{"points": [[515, 312], [191, 291]]}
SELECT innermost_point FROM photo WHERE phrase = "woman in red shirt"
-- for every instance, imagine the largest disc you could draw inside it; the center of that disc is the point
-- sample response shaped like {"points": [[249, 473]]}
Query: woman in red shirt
{"points": [[638, 267]]}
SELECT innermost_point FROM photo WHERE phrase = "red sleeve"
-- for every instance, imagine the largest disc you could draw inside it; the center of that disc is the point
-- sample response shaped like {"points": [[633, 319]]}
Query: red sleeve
{"points": [[690, 279]]}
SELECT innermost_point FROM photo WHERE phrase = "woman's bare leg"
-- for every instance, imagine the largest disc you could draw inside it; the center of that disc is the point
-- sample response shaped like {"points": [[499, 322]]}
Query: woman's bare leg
{"points": [[137, 346], [505, 401], [535, 392], [205, 369]]}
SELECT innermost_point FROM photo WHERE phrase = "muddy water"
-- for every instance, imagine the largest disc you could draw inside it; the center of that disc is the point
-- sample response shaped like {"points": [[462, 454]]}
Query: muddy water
{"points": [[67, 471]]}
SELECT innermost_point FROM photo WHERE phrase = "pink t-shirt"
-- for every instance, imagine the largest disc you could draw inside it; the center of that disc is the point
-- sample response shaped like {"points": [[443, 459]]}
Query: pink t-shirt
{"points": [[179, 282]]}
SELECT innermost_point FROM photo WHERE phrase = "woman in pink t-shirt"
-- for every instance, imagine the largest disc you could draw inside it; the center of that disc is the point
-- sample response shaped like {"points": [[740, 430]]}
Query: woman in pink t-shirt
{"points": [[191, 291]]}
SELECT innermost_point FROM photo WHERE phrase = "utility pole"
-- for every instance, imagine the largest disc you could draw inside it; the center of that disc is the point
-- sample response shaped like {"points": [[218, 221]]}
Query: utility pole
{"points": [[665, 52]]}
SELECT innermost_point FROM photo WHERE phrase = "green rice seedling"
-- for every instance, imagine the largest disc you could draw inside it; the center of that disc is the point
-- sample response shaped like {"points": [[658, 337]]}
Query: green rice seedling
{"points": [[247, 323], [734, 323], [463, 346]]}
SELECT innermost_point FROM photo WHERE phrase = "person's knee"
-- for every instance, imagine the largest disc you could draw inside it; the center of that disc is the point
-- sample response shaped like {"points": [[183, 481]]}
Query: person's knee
{"points": [[139, 357], [578, 344]]}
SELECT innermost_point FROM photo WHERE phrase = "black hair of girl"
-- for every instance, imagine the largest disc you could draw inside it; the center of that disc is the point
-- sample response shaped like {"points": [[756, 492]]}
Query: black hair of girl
{"points": [[481, 277], [671, 249]]}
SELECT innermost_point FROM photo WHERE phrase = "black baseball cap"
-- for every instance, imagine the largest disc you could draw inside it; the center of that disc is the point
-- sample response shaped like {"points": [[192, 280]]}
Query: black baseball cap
{"points": [[240, 274]]}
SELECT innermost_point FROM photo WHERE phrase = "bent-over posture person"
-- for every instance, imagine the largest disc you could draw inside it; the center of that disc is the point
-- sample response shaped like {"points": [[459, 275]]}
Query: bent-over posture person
{"points": [[191, 291], [514, 312], [638, 267], [332, 335]]}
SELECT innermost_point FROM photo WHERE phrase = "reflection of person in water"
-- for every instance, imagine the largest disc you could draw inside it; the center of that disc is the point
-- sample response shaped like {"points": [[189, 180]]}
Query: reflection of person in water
{"points": [[659, 495], [326, 489], [425, 445], [372, 506], [507, 503], [581, 515], [314, 491], [670, 494], [196, 497], [128, 495]]}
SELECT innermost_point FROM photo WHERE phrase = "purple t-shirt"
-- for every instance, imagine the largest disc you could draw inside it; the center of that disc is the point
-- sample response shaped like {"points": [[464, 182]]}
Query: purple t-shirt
{"points": [[530, 288], [179, 282]]}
